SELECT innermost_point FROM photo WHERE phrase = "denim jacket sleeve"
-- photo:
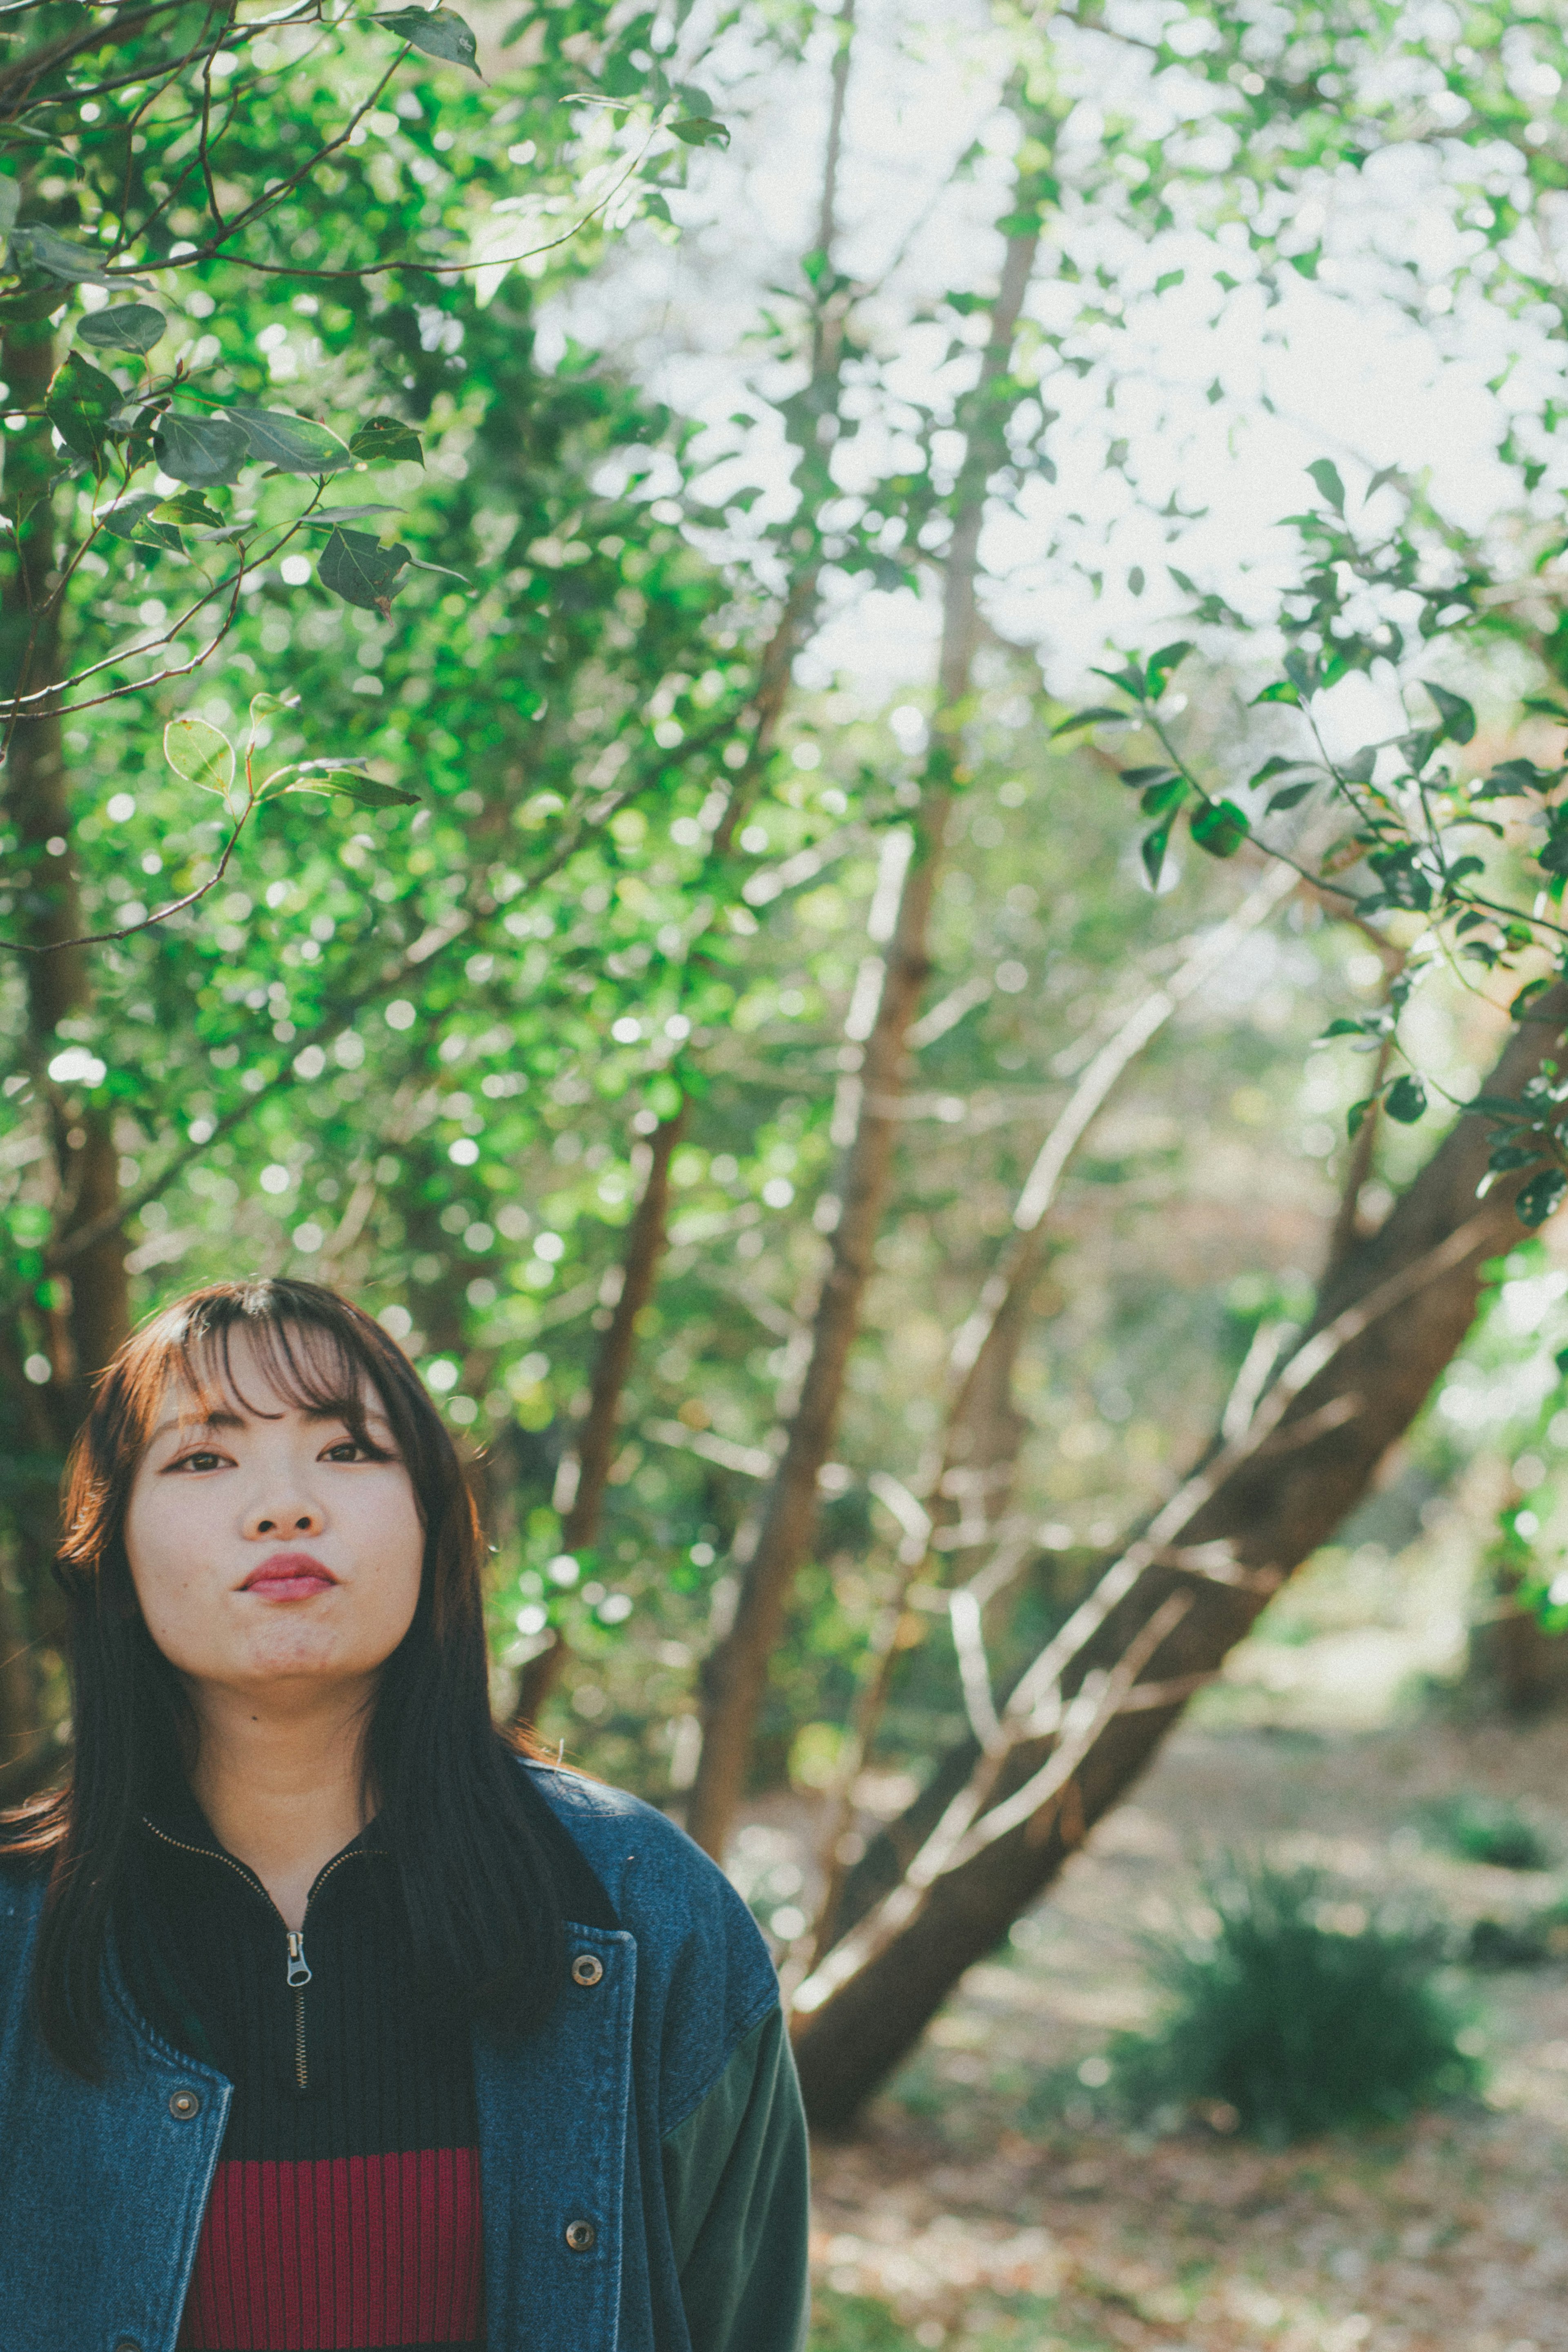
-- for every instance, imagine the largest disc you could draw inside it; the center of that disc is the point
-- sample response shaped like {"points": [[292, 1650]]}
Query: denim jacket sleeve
{"points": [[718, 2094], [735, 2190]]}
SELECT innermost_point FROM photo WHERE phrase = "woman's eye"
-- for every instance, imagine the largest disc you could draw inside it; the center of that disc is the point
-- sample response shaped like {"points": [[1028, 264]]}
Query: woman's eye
{"points": [[202, 1461], [350, 1450]]}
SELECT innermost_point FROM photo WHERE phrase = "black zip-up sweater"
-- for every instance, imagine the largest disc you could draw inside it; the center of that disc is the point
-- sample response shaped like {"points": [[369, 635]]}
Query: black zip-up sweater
{"points": [[345, 2213]]}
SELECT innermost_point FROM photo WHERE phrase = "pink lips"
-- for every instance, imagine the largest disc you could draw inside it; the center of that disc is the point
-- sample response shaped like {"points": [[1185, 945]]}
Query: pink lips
{"points": [[289, 1576]]}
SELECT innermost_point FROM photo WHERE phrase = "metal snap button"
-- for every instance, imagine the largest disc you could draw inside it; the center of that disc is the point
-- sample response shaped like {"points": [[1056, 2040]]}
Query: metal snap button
{"points": [[587, 1968], [127, 2344], [581, 2236], [183, 2104]]}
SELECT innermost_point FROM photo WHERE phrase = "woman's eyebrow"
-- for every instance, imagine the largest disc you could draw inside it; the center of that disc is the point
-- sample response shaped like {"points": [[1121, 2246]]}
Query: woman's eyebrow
{"points": [[198, 1422], [328, 1412]]}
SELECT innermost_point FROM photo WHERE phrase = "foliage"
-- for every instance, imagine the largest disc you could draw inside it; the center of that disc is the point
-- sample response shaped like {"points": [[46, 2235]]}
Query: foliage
{"points": [[1532, 1941], [418, 1046], [854, 2322], [1491, 1830], [157, 474], [1476, 855], [1299, 2013]]}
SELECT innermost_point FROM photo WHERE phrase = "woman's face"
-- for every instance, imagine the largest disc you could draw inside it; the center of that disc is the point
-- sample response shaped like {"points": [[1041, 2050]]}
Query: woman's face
{"points": [[266, 1548]]}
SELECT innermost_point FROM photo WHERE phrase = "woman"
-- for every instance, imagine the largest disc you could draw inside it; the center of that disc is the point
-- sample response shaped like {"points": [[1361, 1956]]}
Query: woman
{"points": [[327, 2019]]}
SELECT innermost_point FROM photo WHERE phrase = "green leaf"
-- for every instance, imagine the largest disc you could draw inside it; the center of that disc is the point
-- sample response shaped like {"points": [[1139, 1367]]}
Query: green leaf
{"points": [[1274, 766], [327, 515], [1152, 850], [1527, 996], [386, 438], [74, 265], [369, 795], [200, 752], [1357, 1113], [1129, 680], [1561, 1360], [1546, 708], [701, 131], [125, 517], [361, 570], [189, 507], [1292, 797], [24, 309], [79, 404], [1325, 474], [1101, 714], [439, 32], [294, 445], [10, 203], [1139, 777], [133, 519], [1344, 1027], [1161, 665], [1407, 1101], [1159, 798], [1458, 719], [1221, 827], [1537, 1200], [1501, 1106], [134, 327], [1510, 778], [443, 570], [200, 450], [1280, 691], [345, 776]]}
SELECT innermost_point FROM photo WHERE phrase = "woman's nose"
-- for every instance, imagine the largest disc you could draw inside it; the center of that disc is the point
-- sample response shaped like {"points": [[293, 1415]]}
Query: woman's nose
{"points": [[298, 1520]]}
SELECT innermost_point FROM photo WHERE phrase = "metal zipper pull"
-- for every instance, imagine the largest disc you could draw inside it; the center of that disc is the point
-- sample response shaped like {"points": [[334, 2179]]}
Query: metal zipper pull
{"points": [[299, 1968]]}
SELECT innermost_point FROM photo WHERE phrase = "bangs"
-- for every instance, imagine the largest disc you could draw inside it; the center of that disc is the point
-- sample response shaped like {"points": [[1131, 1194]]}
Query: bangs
{"points": [[303, 1348], [314, 1369]]}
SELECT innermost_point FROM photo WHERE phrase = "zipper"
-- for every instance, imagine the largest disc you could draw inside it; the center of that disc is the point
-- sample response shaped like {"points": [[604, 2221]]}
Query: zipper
{"points": [[298, 1971]]}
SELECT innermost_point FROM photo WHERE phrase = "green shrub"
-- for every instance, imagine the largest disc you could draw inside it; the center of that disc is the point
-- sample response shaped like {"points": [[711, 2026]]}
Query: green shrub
{"points": [[854, 2322], [1299, 2014], [1530, 1941], [1491, 1830]]}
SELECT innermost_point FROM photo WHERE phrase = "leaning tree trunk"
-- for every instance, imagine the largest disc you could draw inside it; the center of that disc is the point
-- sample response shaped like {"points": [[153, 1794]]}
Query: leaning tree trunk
{"points": [[1090, 1711]]}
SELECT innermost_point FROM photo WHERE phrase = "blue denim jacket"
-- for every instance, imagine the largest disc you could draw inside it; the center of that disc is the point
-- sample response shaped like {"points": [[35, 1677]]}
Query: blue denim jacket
{"points": [[658, 2106]]}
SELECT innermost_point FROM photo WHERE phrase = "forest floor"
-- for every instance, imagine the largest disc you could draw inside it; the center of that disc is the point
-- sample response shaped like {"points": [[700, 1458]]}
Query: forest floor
{"points": [[980, 2208]]}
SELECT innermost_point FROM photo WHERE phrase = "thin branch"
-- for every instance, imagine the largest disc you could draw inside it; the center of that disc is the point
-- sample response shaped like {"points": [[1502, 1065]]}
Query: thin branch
{"points": [[161, 915], [646, 1236]]}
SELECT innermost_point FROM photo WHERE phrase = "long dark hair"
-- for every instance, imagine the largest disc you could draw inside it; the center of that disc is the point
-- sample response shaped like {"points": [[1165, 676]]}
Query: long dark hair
{"points": [[473, 1865]]}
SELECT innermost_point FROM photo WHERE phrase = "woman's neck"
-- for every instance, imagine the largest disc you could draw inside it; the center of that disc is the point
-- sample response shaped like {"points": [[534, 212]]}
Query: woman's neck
{"points": [[283, 1785]]}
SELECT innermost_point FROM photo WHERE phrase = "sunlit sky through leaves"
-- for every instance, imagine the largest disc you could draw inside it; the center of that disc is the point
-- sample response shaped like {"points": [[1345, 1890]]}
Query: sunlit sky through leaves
{"points": [[1398, 355]]}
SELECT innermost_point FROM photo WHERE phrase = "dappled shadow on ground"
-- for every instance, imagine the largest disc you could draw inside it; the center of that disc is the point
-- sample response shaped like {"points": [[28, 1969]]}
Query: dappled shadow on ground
{"points": [[985, 2206]]}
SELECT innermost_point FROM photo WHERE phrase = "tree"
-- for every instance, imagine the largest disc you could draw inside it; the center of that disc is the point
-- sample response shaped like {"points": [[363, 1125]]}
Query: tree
{"points": [[440, 1053]]}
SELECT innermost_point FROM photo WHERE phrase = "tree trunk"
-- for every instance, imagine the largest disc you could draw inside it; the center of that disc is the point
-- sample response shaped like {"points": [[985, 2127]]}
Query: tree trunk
{"points": [[1092, 1710], [76, 1321], [89, 1315], [973, 1465], [817, 411], [736, 1673], [645, 1239]]}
